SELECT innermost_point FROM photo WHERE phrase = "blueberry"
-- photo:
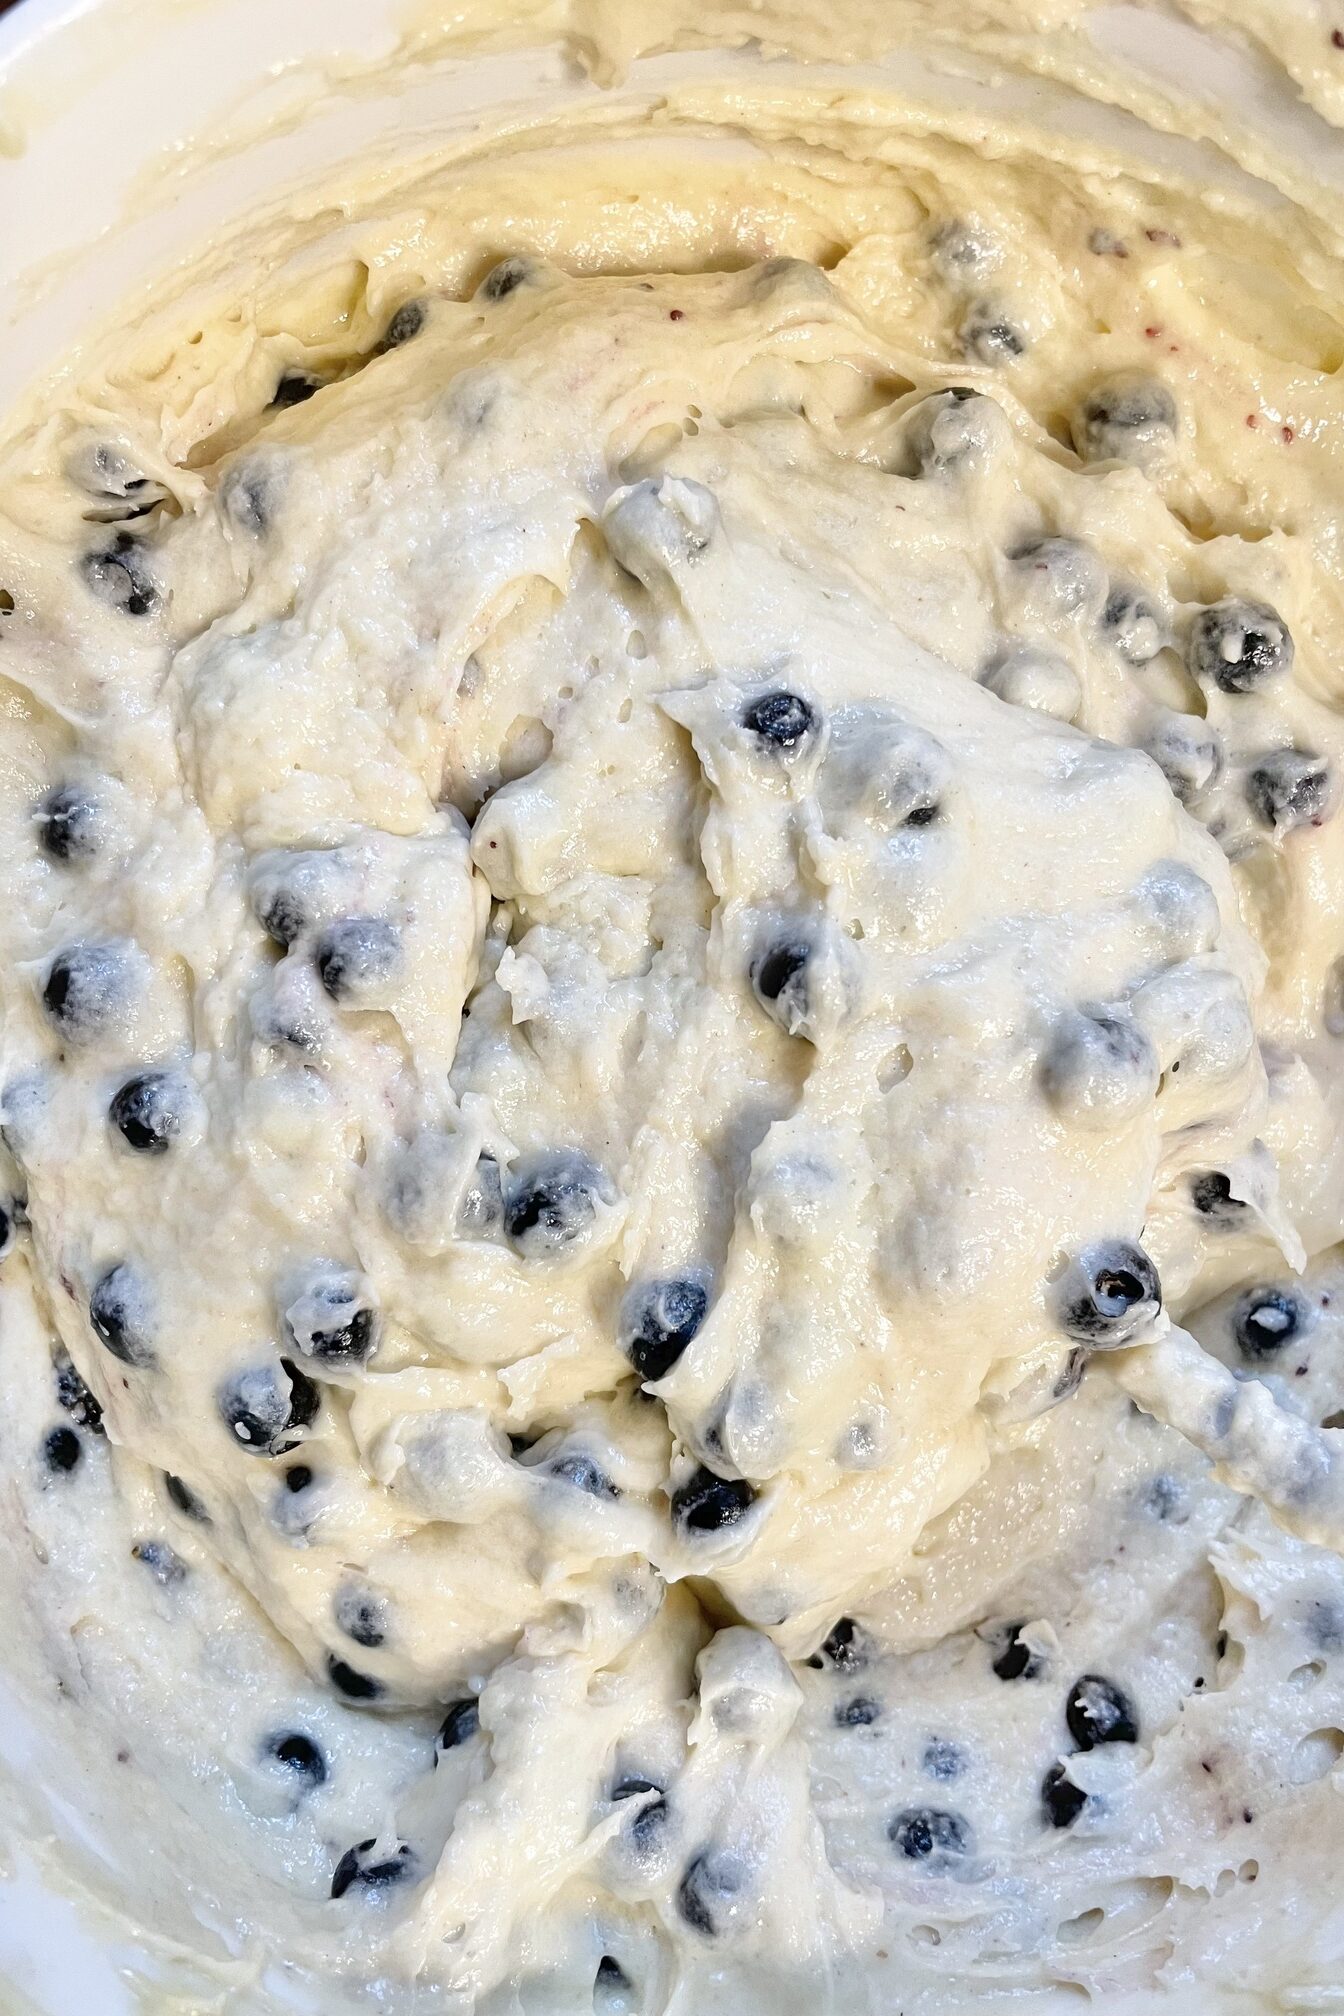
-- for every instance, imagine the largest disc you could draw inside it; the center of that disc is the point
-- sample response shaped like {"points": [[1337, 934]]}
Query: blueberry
{"points": [[505, 278], [1133, 624], [611, 1976], [408, 321], [658, 1320], [75, 1397], [281, 915], [118, 575], [943, 1760], [185, 1499], [67, 824], [1016, 1660], [860, 1713], [645, 1829], [1100, 1070], [1238, 645], [1290, 787], [361, 1615], [1109, 1292], [355, 1686], [953, 430], [709, 1884], [584, 1475], [460, 1724], [704, 1503], [1128, 418], [1167, 1500], [553, 1204], [1071, 1377], [356, 956], [1187, 752], [357, 1866], [1211, 1195], [146, 1112], [119, 1316], [929, 1835], [988, 334], [634, 1788], [481, 1210], [62, 1449], [159, 1558], [1098, 1712], [780, 720], [297, 1478], [779, 980], [265, 1407], [85, 990], [112, 480], [245, 496], [843, 1647], [1265, 1319], [299, 1754], [1068, 568], [293, 387], [335, 1319], [1061, 1799]]}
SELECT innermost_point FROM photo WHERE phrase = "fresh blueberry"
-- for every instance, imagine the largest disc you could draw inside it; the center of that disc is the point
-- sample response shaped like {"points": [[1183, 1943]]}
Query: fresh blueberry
{"points": [[505, 278], [704, 1503], [780, 720], [1128, 418], [246, 498], [658, 1320], [185, 1499], [355, 1686], [159, 1558], [1098, 1712], [1211, 1195], [929, 1835], [266, 1407], [408, 321], [358, 1865], [611, 1976], [1015, 1659], [1061, 1800], [779, 980], [584, 1475], [459, 1724], [860, 1713], [146, 1112], [553, 1203], [1109, 1292], [1071, 1377], [85, 990], [988, 334], [1265, 1319], [293, 387], [943, 1760], [1187, 752], [953, 430], [68, 823], [118, 488], [1238, 645], [1099, 1069], [634, 1787], [281, 914], [335, 1320], [297, 1478], [361, 1615], [118, 575], [481, 1210], [299, 1754], [119, 1316], [75, 1397], [843, 1647], [1132, 622], [62, 1449], [1167, 1500], [1290, 787], [705, 1894], [357, 956]]}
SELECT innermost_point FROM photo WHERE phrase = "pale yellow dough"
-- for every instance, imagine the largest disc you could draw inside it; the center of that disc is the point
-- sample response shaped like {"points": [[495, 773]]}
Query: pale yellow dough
{"points": [[404, 680]]}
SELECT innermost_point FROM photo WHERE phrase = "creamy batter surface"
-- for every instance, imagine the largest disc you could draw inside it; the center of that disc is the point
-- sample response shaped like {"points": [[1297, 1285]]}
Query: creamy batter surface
{"points": [[673, 1078]]}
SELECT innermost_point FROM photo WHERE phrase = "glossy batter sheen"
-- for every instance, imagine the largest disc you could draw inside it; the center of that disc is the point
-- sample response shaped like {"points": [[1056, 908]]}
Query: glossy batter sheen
{"points": [[673, 984]]}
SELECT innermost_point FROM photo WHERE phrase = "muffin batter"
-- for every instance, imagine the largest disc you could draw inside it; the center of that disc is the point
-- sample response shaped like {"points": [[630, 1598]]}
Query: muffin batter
{"points": [[673, 1068]]}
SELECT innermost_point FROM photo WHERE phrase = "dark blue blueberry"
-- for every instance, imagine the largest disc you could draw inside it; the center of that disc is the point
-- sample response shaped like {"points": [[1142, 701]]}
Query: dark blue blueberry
{"points": [[553, 1205], [611, 1976], [1061, 1799], [118, 575], [1133, 624], [711, 1881], [408, 321], [119, 1316], [62, 1449], [943, 1760], [460, 1723], [146, 1112], [75, 1397], [584, 1475], [84, 989], [1125, 420], [481, 1211], [361, 1615], [658, 1321], [355, 1686], [1016, 1660], [989, 336], [356, 956], [634, 1787], [704, 1503], [929, 1835], [1238, 645], [860, 1713], [844, 1647], [1290, 787], [299, 1754], [1167, 1500], [67, 824], [159, 1558], [1109, 1292], [245, 495], [355, 1866], [505, 278], [779, 980], [1265, 1319], [781, 720], [293, 387], [335, 1322], [298, 1477], [266, 1407], [282, 916], [1071, 1378], [185, 1499], [1211, 1195], [1098, 1712]]}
